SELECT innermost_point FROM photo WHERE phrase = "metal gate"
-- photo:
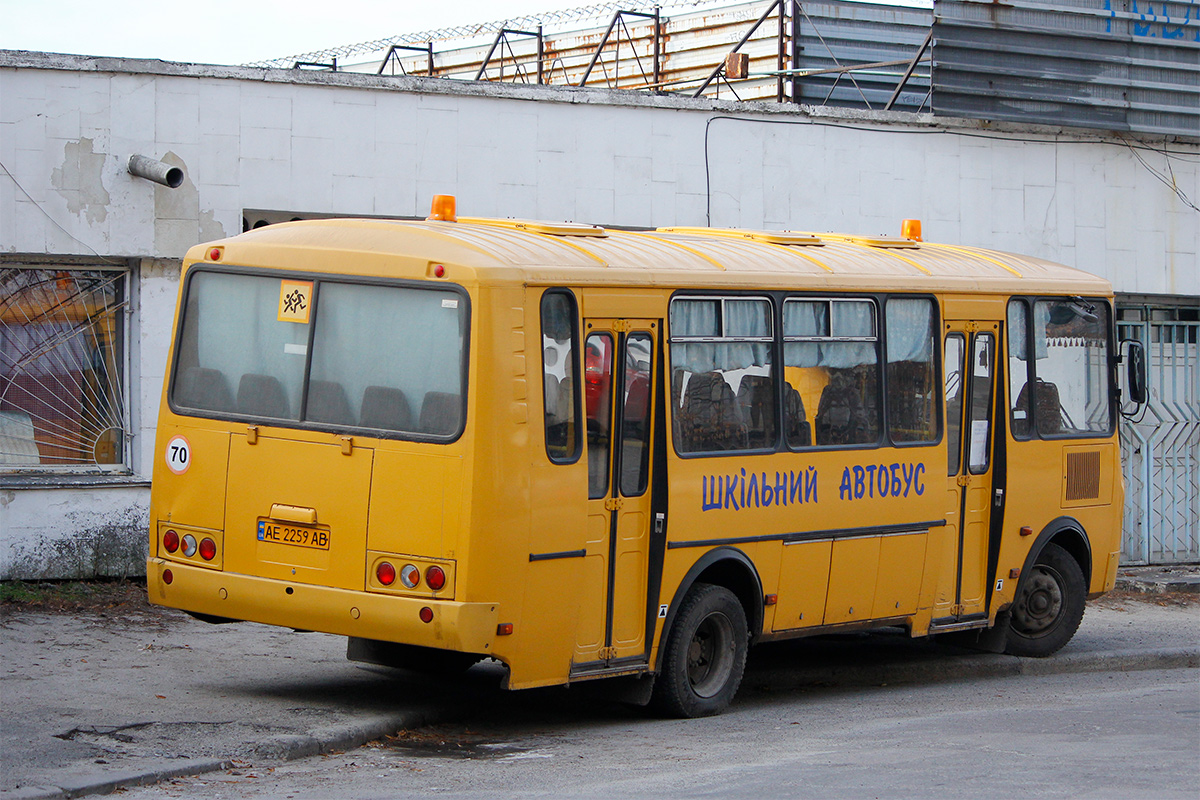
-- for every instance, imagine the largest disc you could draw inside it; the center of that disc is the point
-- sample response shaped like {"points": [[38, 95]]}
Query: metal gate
{"points": [[1160, 450]]}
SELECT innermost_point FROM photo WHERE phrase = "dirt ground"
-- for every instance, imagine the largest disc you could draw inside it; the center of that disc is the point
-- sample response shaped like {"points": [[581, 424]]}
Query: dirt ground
{"points": [[124, 596]]}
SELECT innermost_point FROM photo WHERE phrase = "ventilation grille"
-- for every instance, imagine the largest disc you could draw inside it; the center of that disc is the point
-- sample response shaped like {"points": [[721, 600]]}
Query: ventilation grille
{"points": [[1083, 475]]}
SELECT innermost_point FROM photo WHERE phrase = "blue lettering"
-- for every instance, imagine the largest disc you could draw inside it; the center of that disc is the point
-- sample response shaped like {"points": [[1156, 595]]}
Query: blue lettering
{"points": [[781, 481], [752, 492], [917, 478], [895, 480], [710, 500], [810, 485], [908, 471], [871, 480], [742, 483], [730, 492], [860, 488], [844, 491], [882, 481]]}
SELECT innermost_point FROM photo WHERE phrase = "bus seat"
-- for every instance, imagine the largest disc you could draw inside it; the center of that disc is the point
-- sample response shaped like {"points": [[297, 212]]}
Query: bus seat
{"points": [[386, 408], [711, 418], [440, 413], [262, 396], [1047, 415], [201, 387], [327, 403], [841, 417], [796, 426], [756, 398]]}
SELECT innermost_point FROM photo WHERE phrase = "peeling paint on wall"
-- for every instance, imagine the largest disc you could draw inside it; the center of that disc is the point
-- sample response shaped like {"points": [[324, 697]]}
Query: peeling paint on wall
{"points": [[179, 221], [80, 180]]}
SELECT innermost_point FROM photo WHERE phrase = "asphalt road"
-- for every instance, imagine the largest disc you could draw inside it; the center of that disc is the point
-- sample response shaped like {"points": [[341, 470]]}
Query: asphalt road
{"points": [[1096, 735], [93, 701]]}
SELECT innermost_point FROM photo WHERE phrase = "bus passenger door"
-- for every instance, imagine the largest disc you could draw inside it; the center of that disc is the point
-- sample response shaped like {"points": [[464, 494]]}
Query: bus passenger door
{"points": [[619, 365], [970, 354]]}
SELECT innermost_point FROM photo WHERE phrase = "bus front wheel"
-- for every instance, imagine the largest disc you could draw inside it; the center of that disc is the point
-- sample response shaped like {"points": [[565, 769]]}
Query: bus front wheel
{"points": [[1049, 605], [705, 654]]}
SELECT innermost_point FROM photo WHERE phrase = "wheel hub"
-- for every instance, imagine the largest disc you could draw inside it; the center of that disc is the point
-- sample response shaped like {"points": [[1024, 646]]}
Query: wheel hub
{"points": [[710, 655], [1040, 603]]}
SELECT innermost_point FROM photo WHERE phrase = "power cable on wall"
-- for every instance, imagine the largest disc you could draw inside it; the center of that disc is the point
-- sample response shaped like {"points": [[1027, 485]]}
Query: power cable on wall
{"points": [[996, 135]]}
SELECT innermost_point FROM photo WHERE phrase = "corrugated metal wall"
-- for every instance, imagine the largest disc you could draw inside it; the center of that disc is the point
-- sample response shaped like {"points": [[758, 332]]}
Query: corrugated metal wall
{"points": [[1107, 64], [1112, 64], [831, 35]]}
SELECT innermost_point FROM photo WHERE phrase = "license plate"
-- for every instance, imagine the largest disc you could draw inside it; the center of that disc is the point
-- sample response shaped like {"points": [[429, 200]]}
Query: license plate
{"points": [[292, 534]]}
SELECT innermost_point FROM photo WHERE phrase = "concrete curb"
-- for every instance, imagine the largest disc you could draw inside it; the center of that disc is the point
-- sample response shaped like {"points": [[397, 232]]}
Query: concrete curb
{"points": [[984, 666], [277, 748], [335, 738]]}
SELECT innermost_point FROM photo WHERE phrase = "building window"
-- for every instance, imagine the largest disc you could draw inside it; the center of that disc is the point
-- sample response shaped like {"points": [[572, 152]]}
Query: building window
{"points": [[62, 368]]}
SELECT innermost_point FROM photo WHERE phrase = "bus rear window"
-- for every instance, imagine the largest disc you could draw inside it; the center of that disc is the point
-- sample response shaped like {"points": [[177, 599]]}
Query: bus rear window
{"points": [[384, 357]]}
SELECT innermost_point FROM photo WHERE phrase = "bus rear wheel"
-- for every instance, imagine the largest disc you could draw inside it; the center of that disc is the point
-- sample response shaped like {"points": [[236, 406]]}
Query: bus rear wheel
{"points": [[705, 654], [1049, 605]]}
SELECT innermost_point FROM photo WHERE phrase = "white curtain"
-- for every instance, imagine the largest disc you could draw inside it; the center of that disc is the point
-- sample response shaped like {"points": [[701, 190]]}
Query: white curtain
{"points": [[910, 330]]}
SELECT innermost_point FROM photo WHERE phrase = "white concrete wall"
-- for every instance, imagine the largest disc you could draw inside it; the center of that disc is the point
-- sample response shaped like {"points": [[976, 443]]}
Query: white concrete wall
{"points": [[73, 531], [360, 144]]}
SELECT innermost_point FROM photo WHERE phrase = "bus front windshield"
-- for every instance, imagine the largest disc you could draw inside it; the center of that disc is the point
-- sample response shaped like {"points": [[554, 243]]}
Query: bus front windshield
{"points": [[383, 356]]}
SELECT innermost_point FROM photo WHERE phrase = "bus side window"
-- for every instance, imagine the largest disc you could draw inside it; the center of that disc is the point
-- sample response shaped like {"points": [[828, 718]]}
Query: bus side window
{"points": [[911, 392], [1018, 368], [723, 382], [831, 357], [560, 389]]}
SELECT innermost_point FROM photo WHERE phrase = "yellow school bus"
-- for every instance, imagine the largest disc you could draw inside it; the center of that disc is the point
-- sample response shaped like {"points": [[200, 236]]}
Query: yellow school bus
{"points": [[592, 453]]}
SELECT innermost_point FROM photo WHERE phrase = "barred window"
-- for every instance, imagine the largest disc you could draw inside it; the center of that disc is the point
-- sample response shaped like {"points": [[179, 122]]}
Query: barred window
{"points": [[62, 368]]}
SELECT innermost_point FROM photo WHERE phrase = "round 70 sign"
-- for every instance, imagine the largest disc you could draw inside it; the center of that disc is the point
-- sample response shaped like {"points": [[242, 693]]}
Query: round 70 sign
{"points": [[179, 454]]}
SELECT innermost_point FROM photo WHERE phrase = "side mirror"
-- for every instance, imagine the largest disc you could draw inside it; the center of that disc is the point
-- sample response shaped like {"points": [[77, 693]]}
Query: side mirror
{"points": [[1134, 356]]}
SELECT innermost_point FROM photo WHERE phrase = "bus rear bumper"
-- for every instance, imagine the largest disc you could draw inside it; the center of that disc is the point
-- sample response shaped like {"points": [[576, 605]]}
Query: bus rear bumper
{"points": [[467, 627]]}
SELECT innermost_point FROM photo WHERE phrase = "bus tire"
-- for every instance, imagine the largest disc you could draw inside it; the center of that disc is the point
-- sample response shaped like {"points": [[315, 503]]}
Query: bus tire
{"points": [[705, 654], [1049, 605]]}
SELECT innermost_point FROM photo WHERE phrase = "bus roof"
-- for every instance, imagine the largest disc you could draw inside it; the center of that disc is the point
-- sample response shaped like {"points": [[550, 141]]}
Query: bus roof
{"points": [[564, 253]]}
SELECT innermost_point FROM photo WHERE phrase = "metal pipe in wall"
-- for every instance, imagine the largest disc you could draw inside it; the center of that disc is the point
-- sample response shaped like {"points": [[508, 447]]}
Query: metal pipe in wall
{"points": [[156, 171]]}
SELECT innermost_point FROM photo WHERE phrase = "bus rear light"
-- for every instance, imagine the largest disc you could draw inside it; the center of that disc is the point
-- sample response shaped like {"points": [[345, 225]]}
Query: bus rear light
{"points": [[504, 629], [385, 573], [1026, 530], [168, 576], [189, 545], [410, 576], [208, 549], [171, 541], [439, 271], [426, 614], [215, 254], [435, 577]]}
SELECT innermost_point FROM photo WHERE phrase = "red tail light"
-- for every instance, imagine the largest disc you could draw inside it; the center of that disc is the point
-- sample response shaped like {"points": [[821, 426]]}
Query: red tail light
{"points": [[426, 614], [385, 573], [171, 541], [435, 578], [168, 576], [208, 549]]}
